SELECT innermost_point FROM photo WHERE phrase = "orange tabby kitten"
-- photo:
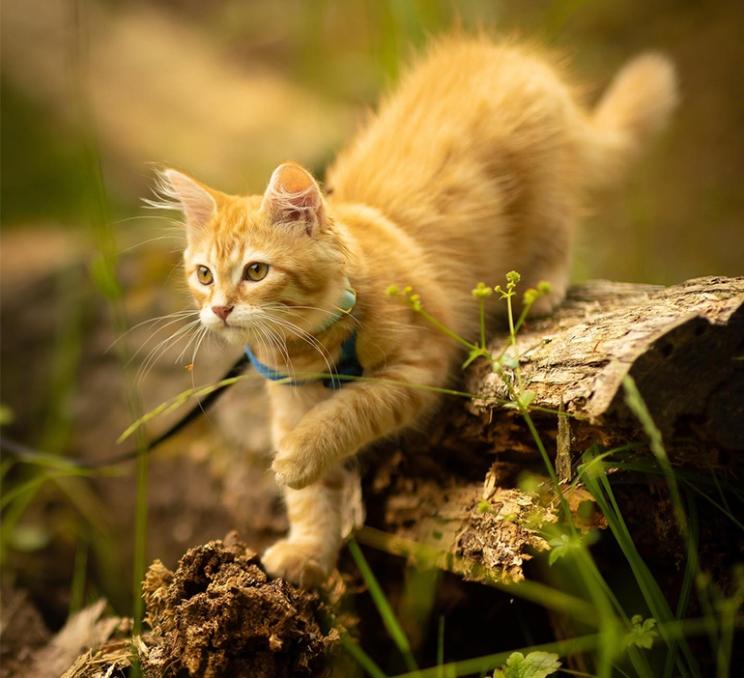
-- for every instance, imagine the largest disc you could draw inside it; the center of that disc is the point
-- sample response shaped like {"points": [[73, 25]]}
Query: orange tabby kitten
{"points": [[476, 165]]}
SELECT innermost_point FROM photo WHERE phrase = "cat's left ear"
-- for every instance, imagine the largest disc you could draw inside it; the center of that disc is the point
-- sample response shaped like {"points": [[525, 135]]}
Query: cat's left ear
{"points": [[197, 202], [293, 197]]}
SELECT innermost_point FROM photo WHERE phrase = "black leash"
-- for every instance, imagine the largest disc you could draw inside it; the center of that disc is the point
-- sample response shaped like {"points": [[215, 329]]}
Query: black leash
{"points": [[24, 453]]}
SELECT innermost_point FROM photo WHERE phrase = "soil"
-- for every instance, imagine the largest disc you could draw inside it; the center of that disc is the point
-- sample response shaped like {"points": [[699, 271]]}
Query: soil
{"points": [[219, 614]]}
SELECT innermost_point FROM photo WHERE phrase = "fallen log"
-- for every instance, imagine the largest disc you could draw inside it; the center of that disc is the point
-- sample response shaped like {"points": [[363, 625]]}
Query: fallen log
{"points": [[683, 345], [455, 490]]}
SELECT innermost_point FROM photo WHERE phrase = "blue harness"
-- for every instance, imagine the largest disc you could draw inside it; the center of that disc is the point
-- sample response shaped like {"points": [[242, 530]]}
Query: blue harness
{"points": [[348, 364]]}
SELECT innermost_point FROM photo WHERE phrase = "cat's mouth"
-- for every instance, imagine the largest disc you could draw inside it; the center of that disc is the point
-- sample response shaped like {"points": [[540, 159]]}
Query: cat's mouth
{"points": [[226, 326], [232, 332]]}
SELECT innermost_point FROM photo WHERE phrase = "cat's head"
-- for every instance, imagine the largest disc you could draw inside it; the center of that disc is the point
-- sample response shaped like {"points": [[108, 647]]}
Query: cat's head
{"points": [[260, 266]]}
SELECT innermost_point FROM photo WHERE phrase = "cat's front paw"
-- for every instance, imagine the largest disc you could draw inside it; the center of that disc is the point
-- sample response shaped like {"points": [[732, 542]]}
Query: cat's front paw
{"points": [[299, 562], [297, 469]]}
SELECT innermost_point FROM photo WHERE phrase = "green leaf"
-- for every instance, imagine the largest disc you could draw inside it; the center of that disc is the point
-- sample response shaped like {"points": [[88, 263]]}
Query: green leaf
{"points": [[643, 633], [534, 665], [563, 544], [525, 398], [509, 361], [560, 547], [484, 506]]}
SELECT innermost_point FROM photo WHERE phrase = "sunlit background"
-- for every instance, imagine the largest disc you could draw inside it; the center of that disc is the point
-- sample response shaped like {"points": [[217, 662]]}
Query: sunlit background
{"points": [[96, 92]]}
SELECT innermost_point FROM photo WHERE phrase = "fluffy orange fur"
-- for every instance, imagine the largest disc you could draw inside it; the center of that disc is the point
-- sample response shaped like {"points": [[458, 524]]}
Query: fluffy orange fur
{"points": [[477, 164]]}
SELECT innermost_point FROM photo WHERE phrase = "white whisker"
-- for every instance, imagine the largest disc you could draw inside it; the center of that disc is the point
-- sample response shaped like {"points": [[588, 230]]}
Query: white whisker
{"points": [[160, 329], [306, 337], [280, 343], [201, 334], [151, 240], [173, 317], [154, 355], [189, 343], [293, 310]]}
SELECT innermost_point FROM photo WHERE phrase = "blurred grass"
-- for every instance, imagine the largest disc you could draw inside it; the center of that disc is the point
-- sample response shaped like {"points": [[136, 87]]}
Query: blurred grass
{"points": [[311, 64], [104, 275], [38, 154]]}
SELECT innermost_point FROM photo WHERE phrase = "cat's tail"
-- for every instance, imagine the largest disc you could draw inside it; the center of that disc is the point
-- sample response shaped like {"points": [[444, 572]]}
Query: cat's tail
{"points": [[636, 105]]}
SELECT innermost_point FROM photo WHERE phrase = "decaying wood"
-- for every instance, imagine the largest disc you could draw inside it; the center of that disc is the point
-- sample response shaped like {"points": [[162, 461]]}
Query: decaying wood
{"points": [[81, 647], [456, 490], [683, 345], [219, 614], [22, 632]]}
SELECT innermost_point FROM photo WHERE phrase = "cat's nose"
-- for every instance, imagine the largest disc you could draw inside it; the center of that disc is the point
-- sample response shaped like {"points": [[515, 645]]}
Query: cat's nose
{"points": [[222, 311]]}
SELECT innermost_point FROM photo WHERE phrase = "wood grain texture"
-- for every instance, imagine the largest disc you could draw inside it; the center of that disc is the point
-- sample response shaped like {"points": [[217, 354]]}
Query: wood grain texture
{"points": [[453, 487], [605, 330]]}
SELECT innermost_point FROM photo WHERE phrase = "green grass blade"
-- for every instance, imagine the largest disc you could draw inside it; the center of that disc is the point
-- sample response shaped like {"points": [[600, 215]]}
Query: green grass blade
{"points": [[79, 575], [25, 490], [362, 658], [637, 405], [23, 495], [487, 663], [598, 484], [440, 645], [691, 481], [545, 596], [688, 581], [383, 605], [729, 609]]}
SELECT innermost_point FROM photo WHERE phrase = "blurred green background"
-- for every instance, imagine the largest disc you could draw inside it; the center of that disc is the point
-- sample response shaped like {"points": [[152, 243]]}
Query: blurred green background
{"points": [[227, 89], [94, 91]]}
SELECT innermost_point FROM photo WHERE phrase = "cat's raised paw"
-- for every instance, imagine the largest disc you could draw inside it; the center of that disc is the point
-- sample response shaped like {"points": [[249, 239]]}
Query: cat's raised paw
{"points": [[296, 471], [297, 562]]}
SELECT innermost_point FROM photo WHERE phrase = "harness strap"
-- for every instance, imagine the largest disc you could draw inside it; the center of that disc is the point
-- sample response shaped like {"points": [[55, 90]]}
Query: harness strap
{"points": [[348, 365]]}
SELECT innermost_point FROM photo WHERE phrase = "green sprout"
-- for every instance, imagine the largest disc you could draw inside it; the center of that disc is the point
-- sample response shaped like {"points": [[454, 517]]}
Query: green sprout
{"points": [[642, 633], [520, 399]]}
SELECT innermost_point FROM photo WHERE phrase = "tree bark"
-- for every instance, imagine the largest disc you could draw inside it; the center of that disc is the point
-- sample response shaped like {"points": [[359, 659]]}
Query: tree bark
{"points": [[455, 490]]}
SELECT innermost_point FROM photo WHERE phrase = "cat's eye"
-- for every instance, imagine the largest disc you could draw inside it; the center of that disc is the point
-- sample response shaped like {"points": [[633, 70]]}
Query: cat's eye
{"points": [[204, 275], [255, 271]]}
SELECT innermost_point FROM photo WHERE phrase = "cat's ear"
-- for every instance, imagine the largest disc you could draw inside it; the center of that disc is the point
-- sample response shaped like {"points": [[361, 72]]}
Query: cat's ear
{"points": [[293, 198], [197, 202]]}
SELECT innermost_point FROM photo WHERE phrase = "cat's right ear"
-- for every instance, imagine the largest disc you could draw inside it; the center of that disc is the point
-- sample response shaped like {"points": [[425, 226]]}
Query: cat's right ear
{"points": [[196, 201], [293, 198]]}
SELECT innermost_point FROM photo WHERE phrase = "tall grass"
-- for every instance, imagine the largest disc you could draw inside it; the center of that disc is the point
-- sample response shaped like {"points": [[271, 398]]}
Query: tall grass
{"points": [[103, 272], [39, 471]]}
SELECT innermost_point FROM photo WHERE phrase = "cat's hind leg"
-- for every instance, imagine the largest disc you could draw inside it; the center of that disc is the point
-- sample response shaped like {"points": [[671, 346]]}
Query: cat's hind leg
{"points": [[556, 274], [550, 262]]}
